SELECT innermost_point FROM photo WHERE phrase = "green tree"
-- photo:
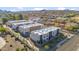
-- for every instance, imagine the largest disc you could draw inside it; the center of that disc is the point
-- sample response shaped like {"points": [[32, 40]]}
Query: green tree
{"points": [[17, 49], [4, 20], [18, 17], [25, 17], [46, 46], [2, 29], [11, 16]]}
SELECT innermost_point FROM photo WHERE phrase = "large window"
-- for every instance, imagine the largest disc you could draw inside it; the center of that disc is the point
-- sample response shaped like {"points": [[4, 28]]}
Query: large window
{"points": [[45, 37], [54, 33]]}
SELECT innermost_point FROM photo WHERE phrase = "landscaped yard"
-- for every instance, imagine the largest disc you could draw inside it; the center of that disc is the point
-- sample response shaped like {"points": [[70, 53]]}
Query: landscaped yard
{"points": [[53, 42]]}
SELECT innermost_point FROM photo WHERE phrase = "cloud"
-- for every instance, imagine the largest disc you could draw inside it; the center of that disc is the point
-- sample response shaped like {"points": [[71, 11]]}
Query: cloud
{"points": [[13, 10], [61, 8], [72, 9], [17, 9], [39, 8], [20, 8]]}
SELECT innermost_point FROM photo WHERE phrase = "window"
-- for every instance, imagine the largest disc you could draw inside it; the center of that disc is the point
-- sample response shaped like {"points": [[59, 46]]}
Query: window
{"points": [[45, 36], [53, 33]]}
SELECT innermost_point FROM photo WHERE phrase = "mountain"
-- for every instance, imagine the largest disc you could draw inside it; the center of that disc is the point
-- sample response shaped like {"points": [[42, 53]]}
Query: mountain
{"points": [[4, 11]]}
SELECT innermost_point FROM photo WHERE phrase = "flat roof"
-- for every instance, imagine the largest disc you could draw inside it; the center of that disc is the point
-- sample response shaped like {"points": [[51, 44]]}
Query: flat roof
{"points": [[31, 25], [16, 20], [21, 23], [45, 30]]}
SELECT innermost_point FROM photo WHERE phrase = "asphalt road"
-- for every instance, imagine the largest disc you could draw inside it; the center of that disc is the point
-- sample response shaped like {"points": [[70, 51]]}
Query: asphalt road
{"points": [[71, 45]]}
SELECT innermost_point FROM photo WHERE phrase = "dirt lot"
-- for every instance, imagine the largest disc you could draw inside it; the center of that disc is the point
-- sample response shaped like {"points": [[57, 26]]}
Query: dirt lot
{"points": [[12, 44]]}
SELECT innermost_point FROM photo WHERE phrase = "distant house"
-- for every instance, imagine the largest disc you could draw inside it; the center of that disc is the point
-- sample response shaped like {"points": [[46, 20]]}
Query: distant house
{"points": [[35, 19], [53, 16], [51, 20]]}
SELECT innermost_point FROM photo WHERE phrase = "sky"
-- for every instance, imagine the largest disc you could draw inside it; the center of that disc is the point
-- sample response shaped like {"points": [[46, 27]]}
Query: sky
{"points": [[27, 5], [37, 8]]}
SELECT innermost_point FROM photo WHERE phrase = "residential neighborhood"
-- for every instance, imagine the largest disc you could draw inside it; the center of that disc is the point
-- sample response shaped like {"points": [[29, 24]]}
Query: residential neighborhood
{"points": [[44, 30]]}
